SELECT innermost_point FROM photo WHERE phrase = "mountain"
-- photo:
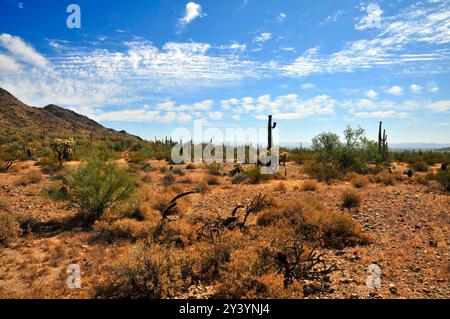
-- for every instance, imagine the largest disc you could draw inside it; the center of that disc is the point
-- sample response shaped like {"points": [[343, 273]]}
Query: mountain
{"points": [[15, 114]]}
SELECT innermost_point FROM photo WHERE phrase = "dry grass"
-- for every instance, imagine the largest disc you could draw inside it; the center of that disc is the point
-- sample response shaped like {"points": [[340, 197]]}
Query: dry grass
{"points": [[359, 181], [29, 178], [9, 228], [5, 204], [309, 186], [280, 187], [383, 178], [310, 218], [350, 199]]}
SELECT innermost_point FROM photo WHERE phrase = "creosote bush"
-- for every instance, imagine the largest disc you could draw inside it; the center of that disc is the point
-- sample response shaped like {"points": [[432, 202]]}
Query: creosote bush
{"points": [[310, 219], [97, 186]]}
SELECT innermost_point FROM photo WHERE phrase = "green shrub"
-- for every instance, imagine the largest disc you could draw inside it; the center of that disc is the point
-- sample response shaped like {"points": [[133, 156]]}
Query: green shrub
{"points": [[49, 165], [321, 171], [213, 181], [443, 176], [215, 169], [254, 176], [420, 166], [178, 171], [97, 186], [57, 191], [238, 178]]}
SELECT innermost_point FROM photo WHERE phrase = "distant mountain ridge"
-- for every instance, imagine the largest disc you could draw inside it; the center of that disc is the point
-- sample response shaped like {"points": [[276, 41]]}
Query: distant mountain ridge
{"points": [[15, 114]]}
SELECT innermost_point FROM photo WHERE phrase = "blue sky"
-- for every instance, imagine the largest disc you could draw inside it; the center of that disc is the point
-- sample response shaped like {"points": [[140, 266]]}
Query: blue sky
{"points": [[150, 67]]}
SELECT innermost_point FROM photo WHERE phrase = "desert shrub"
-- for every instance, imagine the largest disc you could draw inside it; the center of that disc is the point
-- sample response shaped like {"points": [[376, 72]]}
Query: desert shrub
{"points": [[238, 178], [57, 191], [149, 272], [9, 228], [360, 181], [178, 171], [49, 165], [97, 186], [254, 176], [310, 219], [212, 181], [201, 187], [339, 230], [420, 166], [321, 171], [383, 178], [168, 178], [191, 166], [122, 229], [185, 180], [215, 169], [280, 187], [27, 179], [422, 180], [309, 186], [350, 199], [443, 177]]}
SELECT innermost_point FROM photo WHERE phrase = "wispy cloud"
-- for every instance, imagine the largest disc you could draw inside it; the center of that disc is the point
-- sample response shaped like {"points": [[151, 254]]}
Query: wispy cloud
{"points": [[372, 19], [21, 51], [415, 38]]}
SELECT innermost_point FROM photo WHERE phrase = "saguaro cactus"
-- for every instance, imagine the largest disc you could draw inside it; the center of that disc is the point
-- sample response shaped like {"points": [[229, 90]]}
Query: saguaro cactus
{"points": [[270, 127], [382, 142]]}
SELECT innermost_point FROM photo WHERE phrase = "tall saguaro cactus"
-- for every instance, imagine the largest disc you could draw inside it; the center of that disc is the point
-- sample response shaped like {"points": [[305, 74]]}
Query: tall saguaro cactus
{"points": [[270, 127], [382, 142]]}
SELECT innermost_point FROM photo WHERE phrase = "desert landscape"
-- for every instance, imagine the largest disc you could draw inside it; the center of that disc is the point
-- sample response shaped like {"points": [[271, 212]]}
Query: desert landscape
{"points": [[348, 219], [237, 158]]}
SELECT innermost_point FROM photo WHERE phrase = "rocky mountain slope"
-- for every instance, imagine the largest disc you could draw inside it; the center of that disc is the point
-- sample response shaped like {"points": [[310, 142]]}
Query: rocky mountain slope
{"points": [[15, 114]]}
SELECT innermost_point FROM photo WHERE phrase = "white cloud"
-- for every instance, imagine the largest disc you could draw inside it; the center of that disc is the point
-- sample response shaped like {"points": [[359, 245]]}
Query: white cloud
{"points": [[7, 64], [380, 114], [307, 86], [415, 88], [193, 11], [281, 17], [432, 87], [395, 90], [439, 106], [217, 115], [263, 37], [22, 51], [371, 94], [288, 107], [373, 18]]}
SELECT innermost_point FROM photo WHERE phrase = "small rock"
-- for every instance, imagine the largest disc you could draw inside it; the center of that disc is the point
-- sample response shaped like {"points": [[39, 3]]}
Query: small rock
{"points": [[393, 289]]}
